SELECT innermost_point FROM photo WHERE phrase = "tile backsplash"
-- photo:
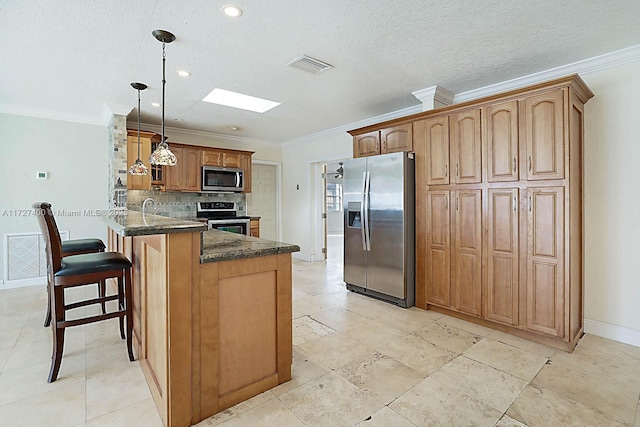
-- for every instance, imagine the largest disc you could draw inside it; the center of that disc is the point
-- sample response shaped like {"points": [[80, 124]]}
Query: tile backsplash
{"points": [[182, 205]]}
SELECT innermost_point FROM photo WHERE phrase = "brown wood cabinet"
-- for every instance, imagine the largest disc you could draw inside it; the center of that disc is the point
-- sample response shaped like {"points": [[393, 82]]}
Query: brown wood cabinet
{"points": [[438, 256], [502, 255], [467, 252], [499, 210], [501, 139], [545, 260], [544, 131], [185, 175], [437, 148], [147, 139], [466, 147], [211, 157], [254, 227], [383, 141]]}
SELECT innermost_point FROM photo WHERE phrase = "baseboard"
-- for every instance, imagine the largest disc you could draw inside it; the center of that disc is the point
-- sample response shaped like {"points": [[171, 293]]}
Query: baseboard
{"points": [[613, 332], [302, 256], [12, 284]]}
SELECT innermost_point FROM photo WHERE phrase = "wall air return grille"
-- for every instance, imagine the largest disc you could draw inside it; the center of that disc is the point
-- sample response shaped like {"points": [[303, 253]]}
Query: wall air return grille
{"points": [[310, 64]]}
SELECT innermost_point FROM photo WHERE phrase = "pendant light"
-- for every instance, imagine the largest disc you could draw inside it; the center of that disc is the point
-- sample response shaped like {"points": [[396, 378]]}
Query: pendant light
{"points": [[162, 155], [137, 168]]}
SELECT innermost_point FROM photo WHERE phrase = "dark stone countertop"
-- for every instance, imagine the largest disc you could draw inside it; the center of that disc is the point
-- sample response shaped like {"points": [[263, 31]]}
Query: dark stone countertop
{"points": [[134, 223], [224, 246]]}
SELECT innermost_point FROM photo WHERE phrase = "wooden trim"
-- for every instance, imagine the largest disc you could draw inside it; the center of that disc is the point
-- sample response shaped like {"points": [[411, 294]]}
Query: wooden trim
{"points": [[209, 341], [241, 267]]}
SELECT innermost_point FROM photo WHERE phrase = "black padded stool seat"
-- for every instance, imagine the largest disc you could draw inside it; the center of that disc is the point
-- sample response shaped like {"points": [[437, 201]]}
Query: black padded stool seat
{"points": [[78, 270], [76, 265], [82, 246], [77, 247]]}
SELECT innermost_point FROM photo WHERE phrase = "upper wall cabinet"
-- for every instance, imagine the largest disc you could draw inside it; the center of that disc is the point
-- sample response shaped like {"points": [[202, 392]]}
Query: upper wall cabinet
{"points": [[466, 147], [387, 140], [367, 144], [544, 133], [147, 139], [437, 146], [185, 175], [501, 136]]}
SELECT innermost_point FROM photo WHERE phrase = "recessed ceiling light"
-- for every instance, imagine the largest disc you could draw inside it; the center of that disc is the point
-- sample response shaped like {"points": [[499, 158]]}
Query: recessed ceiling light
{"points": [[235, 128], [232, 11], [177, 119], [238, 100], [155, 104], [183, 73]]}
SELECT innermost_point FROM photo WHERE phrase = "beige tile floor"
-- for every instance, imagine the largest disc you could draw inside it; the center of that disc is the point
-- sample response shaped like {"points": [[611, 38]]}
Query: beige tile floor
{"points": [[357, 362]]}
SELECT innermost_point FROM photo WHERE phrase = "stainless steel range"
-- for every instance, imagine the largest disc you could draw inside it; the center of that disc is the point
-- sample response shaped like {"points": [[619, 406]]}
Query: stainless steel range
{"points": [[223, 216]]}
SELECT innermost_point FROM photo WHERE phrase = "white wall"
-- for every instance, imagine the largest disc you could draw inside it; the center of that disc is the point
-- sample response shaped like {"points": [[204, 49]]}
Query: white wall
{"points": [[74, 155], [612, 203]]}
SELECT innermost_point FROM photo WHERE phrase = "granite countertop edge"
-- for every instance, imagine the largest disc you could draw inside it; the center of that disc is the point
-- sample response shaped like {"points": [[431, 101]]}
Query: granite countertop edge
{"points": [[223, 246], [134, 223]]}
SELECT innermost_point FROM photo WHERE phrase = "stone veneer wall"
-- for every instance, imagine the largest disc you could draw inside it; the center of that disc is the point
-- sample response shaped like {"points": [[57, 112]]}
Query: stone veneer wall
{"points": [[182, 205], [118, 158]]}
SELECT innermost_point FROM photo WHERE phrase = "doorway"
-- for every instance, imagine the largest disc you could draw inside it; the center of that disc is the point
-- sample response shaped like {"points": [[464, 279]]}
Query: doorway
{"points": [[264, 199], [334, 212]]}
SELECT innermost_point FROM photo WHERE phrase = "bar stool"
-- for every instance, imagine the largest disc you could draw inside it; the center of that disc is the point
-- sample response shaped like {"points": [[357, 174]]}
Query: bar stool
{"points": [[80, 270], [78, 247]]}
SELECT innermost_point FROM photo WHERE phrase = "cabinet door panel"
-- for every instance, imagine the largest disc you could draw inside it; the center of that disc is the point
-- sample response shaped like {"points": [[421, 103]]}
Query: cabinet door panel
{"points": [[398, 138], [437, 139], [367, 144], [192, 168], [467, 251], [466, 147], [545, 260], [502, 141], [502, 287], [138, 182], [231, 160], [544, 118], [175, 174], [211, 158], [438, 248]]}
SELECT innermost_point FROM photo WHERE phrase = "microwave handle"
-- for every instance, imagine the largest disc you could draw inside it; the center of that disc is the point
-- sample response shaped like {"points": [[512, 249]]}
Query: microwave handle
{"points": [[237, 179]]}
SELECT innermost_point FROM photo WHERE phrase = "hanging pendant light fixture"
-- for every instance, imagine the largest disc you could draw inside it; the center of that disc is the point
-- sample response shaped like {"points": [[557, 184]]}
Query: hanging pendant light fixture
{"points": [[137, 168], [163, 155]]}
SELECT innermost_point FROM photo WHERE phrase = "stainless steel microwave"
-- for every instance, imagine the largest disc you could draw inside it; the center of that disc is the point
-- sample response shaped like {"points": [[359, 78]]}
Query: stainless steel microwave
{"points": [[222, 179]]}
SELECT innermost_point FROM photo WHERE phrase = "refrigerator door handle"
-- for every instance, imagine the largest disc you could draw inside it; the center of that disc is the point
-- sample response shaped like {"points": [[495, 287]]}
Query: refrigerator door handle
{"points": [[367, 230], [362, 211]]}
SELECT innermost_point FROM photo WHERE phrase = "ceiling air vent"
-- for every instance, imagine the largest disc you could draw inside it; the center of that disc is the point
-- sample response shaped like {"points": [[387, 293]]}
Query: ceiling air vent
{"points": [[310, 64]]}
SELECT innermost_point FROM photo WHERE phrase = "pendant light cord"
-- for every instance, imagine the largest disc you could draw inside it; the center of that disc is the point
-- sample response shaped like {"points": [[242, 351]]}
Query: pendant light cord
{"points": [[164, 81], [139, 125]]}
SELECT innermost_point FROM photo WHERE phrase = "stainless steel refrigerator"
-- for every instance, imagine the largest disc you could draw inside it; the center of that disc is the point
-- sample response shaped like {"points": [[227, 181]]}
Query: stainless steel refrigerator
{"points": [[379, 227]]}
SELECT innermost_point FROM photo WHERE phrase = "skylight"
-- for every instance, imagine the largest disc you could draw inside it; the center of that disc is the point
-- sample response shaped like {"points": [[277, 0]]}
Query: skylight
{"points": [[239, 100]]}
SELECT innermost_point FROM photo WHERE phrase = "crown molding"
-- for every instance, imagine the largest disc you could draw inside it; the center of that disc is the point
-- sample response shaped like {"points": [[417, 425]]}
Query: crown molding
{"points": [[355, 125], [232, 139], [584, 67], [433, 97], [17, 110]]}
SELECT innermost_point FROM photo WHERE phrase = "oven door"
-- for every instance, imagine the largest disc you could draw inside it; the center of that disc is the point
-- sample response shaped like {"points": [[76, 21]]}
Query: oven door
{"points": [[238, 226]]}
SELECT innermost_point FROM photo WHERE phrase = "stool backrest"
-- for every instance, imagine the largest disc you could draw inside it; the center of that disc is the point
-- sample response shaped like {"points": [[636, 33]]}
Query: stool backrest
{"points": [[51, 235]]}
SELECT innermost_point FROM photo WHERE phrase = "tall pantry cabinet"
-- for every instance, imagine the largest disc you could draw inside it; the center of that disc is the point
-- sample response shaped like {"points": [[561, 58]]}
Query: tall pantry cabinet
{"points": [[499, 211]]}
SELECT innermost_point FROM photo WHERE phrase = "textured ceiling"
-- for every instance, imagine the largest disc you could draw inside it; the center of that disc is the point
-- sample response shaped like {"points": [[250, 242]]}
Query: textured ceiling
{"points": [[72, 57]]}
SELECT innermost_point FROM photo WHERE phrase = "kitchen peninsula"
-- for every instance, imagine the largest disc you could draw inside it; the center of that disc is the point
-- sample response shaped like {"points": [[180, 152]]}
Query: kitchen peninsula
{"points": [[212, 313]]}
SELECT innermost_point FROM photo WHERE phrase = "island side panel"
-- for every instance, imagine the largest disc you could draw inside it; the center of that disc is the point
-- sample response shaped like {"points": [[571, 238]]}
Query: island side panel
{"points": [[245, 303], [284, 307], [208, 338], [180, 259]]}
